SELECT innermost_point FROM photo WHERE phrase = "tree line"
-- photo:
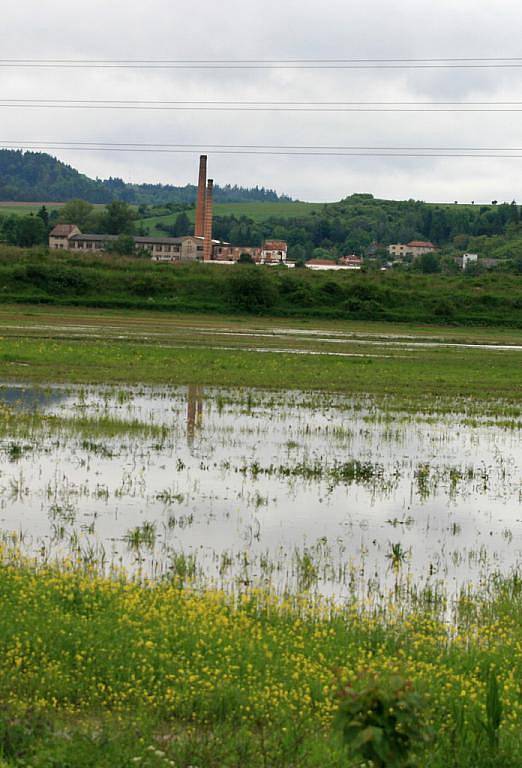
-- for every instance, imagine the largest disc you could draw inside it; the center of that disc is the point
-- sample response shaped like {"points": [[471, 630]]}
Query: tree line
{"points": [[359, 224], [29, 176]]}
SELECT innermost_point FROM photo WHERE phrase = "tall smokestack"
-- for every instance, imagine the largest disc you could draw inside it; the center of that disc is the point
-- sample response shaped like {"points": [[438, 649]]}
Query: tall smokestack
{"points": [[199, 230], [207, 245]]}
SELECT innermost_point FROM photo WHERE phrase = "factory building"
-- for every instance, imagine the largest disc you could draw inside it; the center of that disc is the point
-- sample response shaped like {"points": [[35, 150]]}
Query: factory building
{"points": [[198, 247], [69, 237], [272, 251]]}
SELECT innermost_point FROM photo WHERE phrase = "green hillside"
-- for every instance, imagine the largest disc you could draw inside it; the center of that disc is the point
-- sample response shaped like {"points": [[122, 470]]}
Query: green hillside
{"points": [[257, 212], [358, 224]]}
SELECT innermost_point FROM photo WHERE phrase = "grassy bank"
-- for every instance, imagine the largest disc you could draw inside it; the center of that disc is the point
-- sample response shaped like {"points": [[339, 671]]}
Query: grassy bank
{"points": [[100, 281], [99, 672], [430, 374]]}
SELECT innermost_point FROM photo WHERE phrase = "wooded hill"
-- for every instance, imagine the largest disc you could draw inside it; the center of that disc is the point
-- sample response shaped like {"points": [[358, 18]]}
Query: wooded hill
{"points": [[361, 221], [33, 176]]}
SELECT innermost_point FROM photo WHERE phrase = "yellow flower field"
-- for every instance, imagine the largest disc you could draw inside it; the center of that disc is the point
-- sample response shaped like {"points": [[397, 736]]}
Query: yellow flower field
{"points": [[98, 670]]}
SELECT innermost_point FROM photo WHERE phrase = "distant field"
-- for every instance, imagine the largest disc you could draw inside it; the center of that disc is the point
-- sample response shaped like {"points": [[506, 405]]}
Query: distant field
{"points": [[21, 209], [255, 211]]}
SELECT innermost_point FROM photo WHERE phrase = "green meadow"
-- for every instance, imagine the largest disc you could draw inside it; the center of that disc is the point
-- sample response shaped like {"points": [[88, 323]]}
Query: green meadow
{"points": [[257, 212], [23, 209], [421, 363]]}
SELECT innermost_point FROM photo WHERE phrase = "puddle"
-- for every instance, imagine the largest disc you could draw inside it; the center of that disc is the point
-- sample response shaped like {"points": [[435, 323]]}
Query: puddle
{"points": [[292, 490]]}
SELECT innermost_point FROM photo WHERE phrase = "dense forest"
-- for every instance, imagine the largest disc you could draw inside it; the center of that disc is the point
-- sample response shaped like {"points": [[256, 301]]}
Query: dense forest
{"points": [[365, 225], [33, 176]]}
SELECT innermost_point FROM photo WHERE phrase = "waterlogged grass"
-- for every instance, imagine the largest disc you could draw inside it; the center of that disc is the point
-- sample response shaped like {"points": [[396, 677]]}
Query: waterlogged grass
{"points": [[478, 373], [277, 489], [43, 320], [111, 672], [34, 425]]}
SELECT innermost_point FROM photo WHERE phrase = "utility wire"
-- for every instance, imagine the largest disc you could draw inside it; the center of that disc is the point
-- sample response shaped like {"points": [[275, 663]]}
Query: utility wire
{"points": [[260, 103], [404, 63], [203, 146], [262, 151], [267, 61], [202, 106]]}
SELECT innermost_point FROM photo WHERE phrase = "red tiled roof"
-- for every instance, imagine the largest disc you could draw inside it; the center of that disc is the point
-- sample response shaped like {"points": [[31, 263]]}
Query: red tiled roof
{"points": [[275, 245], [63, 230], [420, 244]]}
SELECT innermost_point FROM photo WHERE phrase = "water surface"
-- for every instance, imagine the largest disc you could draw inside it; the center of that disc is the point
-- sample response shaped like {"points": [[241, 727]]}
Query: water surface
{"points": [[244, 487]]}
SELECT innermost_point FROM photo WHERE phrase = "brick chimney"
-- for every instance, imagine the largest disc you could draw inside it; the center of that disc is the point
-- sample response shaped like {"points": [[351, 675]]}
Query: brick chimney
{"points": [[199, 229], [207, 245]]}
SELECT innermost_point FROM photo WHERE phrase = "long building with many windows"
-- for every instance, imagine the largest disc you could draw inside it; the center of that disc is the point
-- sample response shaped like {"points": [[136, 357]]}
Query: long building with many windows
{"points": [[168, 249], [69, 237]]}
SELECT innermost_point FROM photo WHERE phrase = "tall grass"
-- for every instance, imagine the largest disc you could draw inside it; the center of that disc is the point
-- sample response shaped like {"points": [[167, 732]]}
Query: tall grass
{"points": [[107, 281], [109, 671]]}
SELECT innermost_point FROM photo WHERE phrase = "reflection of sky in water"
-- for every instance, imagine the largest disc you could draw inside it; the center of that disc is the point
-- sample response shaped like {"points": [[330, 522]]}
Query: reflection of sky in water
{"points": [[31, 398], [199, 486]]}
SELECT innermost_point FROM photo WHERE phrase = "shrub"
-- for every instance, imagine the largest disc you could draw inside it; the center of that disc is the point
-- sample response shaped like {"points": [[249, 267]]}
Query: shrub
{"points": [[381, 719], [252, 289]]}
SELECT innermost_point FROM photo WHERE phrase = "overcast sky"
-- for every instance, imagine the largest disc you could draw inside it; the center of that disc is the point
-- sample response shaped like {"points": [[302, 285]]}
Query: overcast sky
{"points": [[274, 29]]}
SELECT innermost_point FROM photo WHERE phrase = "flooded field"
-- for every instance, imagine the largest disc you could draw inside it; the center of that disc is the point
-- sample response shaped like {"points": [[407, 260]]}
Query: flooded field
{"points": [[326, 338], [241, 488]]}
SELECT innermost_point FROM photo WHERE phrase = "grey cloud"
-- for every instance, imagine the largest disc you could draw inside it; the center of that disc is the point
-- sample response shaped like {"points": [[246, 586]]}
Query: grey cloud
{"points": [[270, 29]]}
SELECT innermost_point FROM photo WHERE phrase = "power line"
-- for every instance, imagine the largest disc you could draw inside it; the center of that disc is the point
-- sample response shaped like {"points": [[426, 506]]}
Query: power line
{"points": [[261, 103], [404, 63], [203, 146], [226, 106], [269, 61], [261, 150]]}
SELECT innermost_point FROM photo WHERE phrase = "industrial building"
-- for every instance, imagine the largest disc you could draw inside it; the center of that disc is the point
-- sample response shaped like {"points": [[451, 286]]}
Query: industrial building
{"points": [[69, 237], [197, 247], [271, 252]]}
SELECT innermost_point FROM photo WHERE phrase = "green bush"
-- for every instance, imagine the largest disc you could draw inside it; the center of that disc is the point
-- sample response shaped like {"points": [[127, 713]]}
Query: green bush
{"points": [[382, 720], [251, 289]]}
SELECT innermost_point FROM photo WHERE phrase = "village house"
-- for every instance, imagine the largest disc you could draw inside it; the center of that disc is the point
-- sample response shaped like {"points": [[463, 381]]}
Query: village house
{"points": [[352, 262], [274, 252], [60, 236], [414, 248], [468, 259]]}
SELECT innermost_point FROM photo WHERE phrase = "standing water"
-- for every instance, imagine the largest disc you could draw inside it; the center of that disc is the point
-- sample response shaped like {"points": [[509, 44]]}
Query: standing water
{"points": [[241, 487]]}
